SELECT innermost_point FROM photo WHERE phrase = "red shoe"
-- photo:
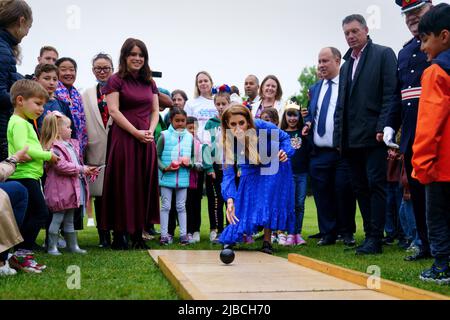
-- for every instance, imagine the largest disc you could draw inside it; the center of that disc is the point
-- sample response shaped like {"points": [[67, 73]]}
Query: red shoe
{"points": [[25, 264]]}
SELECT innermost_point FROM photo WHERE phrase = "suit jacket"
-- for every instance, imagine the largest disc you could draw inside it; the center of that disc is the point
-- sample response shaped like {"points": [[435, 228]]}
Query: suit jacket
{"points": [[363, 106], [95, 153]]}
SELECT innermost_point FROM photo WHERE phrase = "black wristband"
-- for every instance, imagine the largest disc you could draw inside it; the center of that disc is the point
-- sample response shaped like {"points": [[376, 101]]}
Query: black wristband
{"points": [[12, 161]]}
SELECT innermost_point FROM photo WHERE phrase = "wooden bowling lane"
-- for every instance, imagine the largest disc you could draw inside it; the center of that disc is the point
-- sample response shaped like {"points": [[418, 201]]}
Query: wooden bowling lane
{"points": [[200, 275]]}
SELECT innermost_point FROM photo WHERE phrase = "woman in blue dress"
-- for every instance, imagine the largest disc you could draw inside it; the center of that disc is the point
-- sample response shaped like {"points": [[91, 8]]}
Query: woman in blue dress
{"points": [[259, 151]]}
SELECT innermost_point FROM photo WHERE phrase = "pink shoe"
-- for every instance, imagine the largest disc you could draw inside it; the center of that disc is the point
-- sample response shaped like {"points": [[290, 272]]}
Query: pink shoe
{"points": [[299, 241], [290, 241]]}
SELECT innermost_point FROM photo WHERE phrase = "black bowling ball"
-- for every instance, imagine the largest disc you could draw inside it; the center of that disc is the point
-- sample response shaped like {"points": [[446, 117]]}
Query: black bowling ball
{"points": [[227, 256]]}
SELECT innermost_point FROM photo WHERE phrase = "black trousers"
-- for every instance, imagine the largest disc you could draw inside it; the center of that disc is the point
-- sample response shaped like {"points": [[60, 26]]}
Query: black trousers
{"points": [[438, 219], [418, 201], [216, 202], [36, 215], [332, 188], [369, 172], [193, 208]]}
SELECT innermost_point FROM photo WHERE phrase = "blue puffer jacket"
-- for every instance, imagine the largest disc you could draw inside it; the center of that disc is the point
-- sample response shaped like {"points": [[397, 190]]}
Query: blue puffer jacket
{"points": [[176, 145], [8, 75]]}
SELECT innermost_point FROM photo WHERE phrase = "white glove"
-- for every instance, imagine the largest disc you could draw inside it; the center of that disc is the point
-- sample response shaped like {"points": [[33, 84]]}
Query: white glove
{"points": [[388, 138]]}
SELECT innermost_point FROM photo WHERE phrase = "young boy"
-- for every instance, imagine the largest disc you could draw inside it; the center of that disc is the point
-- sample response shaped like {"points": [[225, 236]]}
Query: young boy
{"points": [[431, 160], [47, 76], [28, 98], [48, 55]]}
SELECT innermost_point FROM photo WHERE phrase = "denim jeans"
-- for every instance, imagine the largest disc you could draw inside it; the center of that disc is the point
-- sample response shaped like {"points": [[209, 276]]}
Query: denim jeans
{"points": [[166, 202], [300, 183], [408, 222], [18, 197], [394, 196]]}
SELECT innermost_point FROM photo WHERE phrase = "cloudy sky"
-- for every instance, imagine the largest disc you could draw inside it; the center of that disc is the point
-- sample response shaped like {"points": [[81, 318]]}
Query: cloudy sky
{"points": [[230, 39]]}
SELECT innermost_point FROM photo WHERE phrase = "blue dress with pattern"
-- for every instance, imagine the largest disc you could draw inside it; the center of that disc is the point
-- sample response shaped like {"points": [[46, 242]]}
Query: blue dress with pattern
{"points": [[265, 196]]}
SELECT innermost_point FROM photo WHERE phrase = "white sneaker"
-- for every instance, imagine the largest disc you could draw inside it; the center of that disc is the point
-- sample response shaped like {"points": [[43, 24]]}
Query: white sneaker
{"points": [[91, 222], [196, 237], [6, 270], [282, 239], [213, 236]]}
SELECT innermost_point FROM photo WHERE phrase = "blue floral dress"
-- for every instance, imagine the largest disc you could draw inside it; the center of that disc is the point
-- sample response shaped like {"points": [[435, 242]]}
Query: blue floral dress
{"points": [[265, 196]]}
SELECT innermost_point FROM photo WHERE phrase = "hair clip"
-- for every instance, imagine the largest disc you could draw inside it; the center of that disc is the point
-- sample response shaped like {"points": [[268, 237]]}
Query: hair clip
{"points": [[223, 88]]}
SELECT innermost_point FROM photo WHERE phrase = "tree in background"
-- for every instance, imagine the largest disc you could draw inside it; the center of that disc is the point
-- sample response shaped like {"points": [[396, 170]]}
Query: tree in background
{"points": [[307, 78]]}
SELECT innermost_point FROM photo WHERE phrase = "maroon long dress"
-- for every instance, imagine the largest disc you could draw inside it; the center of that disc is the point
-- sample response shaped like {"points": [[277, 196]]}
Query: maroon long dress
{"points": [[130, 190]]}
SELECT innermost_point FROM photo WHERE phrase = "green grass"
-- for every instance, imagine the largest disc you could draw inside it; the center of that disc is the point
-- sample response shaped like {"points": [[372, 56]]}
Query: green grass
{"points": [[132, 275]]}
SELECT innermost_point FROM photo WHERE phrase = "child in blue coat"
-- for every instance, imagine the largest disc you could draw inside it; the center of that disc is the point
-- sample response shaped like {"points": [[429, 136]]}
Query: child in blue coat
{"points": [[174, 161]]}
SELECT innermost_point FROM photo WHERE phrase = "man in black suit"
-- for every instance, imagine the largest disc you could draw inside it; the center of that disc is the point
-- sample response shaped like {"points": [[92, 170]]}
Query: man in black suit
{"points": [[329, 172], [368, 84]]}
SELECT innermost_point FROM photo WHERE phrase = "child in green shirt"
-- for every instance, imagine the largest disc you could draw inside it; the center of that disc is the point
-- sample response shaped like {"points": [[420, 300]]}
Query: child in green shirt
{"points": [[28, 98]]}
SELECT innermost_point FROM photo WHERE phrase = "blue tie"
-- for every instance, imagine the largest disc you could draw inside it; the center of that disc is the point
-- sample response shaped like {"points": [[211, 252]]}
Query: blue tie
{"points": [[322, 127]]}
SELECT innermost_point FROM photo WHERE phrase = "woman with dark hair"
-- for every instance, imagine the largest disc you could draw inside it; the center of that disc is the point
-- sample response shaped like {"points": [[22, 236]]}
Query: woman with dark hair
{"points": [[130, 190], [16, 18], [67, 74], [98, 122]]}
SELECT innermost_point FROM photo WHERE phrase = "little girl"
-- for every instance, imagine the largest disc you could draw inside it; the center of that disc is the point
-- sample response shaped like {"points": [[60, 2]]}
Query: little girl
{"points": [[65, 187], [174, 160], [292, 124], [214, 177], [196, 181], [271, 115]]}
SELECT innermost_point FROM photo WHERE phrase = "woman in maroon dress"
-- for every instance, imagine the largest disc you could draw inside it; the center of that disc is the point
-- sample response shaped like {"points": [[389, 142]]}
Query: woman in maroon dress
{"points": [[131, 196]]}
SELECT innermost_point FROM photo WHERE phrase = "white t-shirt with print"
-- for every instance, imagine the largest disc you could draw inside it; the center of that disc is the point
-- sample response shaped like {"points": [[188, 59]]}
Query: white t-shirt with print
{"points": [[203, 109]]}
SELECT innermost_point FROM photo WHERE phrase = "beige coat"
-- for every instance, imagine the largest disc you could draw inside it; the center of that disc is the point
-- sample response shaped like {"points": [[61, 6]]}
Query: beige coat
{"points": [[9, 231], [97, 138]]}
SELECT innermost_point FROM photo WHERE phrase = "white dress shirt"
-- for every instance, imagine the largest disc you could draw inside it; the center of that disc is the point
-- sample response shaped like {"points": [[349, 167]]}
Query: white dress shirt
{"points": [[327, 140]]}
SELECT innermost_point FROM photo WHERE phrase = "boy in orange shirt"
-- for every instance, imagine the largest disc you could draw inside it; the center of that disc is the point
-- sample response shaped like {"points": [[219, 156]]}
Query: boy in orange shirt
{"points": [[431, 160]]}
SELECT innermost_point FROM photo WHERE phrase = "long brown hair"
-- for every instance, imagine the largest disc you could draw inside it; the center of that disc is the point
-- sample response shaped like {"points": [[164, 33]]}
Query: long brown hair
{"points": [[145, 74], [10, 13], [251, 139], [279, 93]]}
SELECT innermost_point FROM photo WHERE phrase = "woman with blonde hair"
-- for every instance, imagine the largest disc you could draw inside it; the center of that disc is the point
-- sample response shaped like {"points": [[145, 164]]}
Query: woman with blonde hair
{"points": [[202, 106], [265, 196]]}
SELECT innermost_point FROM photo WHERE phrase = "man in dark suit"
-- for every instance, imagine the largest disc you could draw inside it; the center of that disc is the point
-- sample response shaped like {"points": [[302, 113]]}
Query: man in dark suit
{"points": [[412, 62], [329, 172], [368, 84]]}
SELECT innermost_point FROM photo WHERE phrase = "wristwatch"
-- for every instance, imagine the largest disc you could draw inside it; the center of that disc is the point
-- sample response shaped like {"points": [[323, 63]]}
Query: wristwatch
{"points": [[12, 161]]}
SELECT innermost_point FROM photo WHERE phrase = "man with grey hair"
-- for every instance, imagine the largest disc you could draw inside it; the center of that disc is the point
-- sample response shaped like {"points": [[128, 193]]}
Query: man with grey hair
{"points": [[367, 90], [412, 62]]}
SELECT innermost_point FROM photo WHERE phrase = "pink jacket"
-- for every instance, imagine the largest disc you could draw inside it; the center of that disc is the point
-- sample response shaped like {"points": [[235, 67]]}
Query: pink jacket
{"points": [[62, 187]]}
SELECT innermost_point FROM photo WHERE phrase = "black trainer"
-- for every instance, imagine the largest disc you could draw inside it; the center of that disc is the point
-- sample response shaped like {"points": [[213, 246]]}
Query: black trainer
{"points": [[439, 275], [371, 246], [267, 248]]}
